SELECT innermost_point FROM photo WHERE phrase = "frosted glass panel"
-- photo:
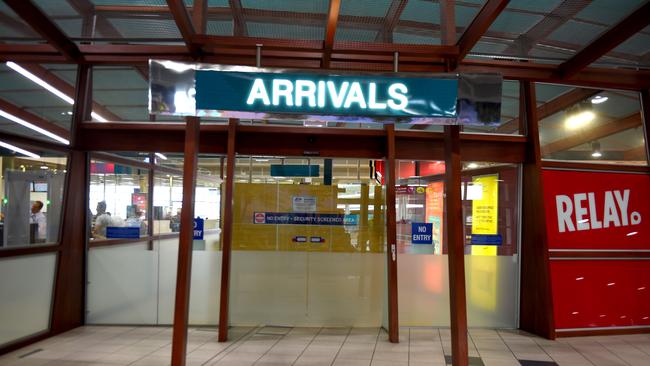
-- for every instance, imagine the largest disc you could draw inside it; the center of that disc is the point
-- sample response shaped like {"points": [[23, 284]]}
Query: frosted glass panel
{"points": [[204, 289], [423, 294], [491, 287], [26, 286], [122, 285], [307, 289]]}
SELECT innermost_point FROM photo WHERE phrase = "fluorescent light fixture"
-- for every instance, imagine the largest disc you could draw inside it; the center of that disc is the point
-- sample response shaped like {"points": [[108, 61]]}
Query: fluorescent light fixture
{"points": [[19, 150], [161, 156], [33, 127], [598, 99], [39, 81], [50, 88], [472, 165]]}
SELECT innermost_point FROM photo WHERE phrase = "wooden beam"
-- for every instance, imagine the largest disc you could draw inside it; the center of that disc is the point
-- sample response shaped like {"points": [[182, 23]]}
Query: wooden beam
{"points": [[86, 9], [330, 31], [637, 153], [486, 16], [391, 19], [616, 35], [185, 239], [447, 22], [561, 14], [34, 119], [536, 302], [46, 28], [551, 107], [200, 16], [237, 10], [455, 241], [185, 26], [592, 134], [226, 243], [391, 235]]}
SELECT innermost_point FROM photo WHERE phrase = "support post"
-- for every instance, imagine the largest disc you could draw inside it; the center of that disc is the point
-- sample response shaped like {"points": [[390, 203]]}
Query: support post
{"points": [[226, 238], [391, 240], [68, 308], [536, 302], [185, 239], [455, 246]]}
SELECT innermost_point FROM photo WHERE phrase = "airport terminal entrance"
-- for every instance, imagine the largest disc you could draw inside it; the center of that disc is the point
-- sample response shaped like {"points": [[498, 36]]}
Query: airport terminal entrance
{"points": [[308, 242]]}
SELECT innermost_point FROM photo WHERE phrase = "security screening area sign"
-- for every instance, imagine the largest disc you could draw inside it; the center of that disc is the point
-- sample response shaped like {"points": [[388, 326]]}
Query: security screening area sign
{"points": [[178, 88]]}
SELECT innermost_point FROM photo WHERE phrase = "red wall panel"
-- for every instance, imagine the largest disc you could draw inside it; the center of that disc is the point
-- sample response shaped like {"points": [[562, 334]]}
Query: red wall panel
{"points": [[601, 293]]}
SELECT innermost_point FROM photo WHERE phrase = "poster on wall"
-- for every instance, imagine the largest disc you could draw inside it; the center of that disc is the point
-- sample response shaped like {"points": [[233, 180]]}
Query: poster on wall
{"points": [[303, 203], [434, 203], [485, 215], [596, 210]]}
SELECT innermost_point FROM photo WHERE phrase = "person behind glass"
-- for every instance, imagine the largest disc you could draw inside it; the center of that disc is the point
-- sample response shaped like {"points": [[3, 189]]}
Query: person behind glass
{"points": [[38, 217], [101, 220], [137, 221]]}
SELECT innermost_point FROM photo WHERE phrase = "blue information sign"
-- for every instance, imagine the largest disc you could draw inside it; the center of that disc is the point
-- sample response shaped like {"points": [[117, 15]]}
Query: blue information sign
{"points": [[299, 218], [421, 233], [123, 232], [198, 228], [487, 239]]}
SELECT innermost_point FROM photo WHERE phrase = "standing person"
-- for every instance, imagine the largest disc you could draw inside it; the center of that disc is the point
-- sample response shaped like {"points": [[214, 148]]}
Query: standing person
{"points": [[39, 218]]}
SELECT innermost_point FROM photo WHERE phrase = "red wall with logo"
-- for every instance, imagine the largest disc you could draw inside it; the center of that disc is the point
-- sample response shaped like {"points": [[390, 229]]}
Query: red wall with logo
{"points": [[593, 292]]}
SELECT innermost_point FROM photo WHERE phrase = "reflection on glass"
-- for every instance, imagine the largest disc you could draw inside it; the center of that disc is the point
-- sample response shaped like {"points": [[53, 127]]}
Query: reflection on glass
{"points": [[590, 125]]}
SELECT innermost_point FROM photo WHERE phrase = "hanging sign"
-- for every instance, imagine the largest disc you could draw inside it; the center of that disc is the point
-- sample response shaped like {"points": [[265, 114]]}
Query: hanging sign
{"points": [[178, 88]]}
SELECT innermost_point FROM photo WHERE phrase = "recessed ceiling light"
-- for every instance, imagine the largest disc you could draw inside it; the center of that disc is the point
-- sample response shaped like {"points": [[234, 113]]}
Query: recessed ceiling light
{"points": [[598, 99]]}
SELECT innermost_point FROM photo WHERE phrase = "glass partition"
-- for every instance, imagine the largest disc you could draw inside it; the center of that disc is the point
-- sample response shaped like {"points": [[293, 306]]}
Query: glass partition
{"points": [[26, 285], [590, 125], [490, 195], [32, 185], [118, 199], [308, 243]]}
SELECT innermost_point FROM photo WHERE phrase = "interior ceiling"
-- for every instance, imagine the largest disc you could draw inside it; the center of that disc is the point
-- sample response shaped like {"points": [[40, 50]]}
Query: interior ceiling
{"points": [[540, 31]]}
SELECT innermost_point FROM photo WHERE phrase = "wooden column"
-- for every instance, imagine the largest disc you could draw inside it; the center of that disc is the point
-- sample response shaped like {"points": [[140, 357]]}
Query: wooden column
{"points": [[185, 239], [536, 303], [455, 246], [391, 239], [645, 109], [68, 308], [226, 238]]}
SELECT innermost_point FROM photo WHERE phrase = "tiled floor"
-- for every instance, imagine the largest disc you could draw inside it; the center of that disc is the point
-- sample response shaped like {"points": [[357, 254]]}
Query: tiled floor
{"points": [[101, 345]]}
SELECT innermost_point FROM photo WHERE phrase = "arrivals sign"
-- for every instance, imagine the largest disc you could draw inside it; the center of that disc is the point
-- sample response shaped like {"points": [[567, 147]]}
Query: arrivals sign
{"points": [[178, 88], [597, 210], [326, 94]]}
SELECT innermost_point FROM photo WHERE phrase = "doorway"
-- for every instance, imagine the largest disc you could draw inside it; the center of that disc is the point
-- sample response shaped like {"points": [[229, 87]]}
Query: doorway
{"points": [[308, 243]]}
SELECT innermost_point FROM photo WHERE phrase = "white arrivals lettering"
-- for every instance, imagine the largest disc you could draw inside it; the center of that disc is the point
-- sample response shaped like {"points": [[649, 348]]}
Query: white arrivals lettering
{"points": [[344, 95], [579, 212]]}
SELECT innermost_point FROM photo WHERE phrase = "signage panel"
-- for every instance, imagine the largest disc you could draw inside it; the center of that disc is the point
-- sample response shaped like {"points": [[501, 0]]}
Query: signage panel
{"points": [[196, 89], [434, 211], [326, 94], [303, 203], [198, 228], [279, 170], [596, 210], [298, 218], [421, 233], [122, 232]]}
